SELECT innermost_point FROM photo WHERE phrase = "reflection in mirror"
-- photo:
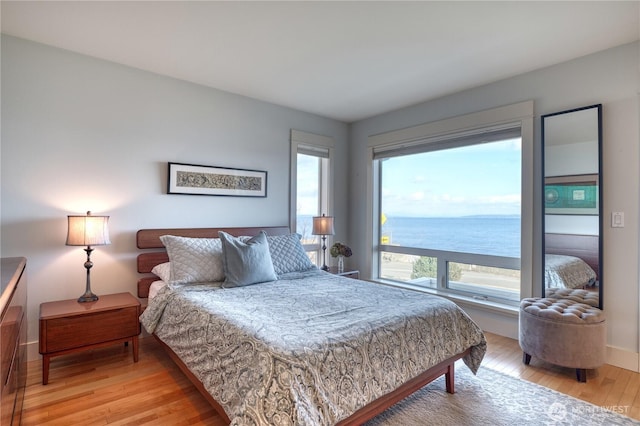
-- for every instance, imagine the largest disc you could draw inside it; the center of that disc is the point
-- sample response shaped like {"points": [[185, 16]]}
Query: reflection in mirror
{"points": [[571, 144]]}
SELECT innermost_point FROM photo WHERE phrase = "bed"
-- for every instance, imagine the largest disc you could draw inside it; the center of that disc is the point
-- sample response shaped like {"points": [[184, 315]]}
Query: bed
{"points": [[571, 261], [563, 271], [306, 348]]}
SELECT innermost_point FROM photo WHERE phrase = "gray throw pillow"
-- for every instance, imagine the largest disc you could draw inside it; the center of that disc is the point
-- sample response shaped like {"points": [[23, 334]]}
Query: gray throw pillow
{"points": [[246, 262], [288, 255]]}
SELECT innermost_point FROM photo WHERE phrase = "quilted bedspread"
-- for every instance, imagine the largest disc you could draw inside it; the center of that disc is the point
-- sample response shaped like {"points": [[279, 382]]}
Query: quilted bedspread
{"points": [[567, 272], [310, 348]]}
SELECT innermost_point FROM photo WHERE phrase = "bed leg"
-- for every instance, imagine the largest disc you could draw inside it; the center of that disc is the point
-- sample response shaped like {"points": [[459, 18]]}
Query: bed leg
{"points": [[449, 378]]}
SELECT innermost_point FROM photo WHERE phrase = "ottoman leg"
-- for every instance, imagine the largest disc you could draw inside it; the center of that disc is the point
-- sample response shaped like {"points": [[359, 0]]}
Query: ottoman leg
{"points": [[526, 358], [581, 375]]}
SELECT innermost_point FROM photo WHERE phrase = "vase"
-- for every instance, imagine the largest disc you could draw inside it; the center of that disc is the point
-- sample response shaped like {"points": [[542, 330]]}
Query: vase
{"points": [[340, 264]]}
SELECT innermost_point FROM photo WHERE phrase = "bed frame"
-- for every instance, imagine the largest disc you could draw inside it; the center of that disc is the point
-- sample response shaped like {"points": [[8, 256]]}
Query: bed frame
{"points": [[149, 239]]}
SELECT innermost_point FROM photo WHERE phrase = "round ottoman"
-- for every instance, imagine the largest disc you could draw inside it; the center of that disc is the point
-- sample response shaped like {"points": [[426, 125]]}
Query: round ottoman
{"points": [[591, 298], [563, 332]]}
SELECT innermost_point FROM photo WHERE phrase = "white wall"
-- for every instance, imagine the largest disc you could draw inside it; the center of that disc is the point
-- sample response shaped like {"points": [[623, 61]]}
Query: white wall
{"points": [[609, 77], [84, 134]]}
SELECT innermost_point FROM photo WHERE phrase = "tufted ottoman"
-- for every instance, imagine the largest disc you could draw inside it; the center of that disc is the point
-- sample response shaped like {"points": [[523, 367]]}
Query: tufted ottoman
{"points": [[563, 332], [591, 298]]}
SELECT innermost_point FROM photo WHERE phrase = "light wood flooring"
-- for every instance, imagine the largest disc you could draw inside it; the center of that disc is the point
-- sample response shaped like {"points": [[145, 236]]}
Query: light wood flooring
{"points": [[105, 386]]}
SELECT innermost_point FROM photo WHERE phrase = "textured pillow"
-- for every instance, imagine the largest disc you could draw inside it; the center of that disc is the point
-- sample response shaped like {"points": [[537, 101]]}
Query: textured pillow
{"points": [[163, 271], [288, 255], [246, 262], [194, 260]]}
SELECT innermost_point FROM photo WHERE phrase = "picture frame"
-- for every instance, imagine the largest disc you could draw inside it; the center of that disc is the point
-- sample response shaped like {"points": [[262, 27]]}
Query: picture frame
{"points": [[572, 195], [193, 179]]}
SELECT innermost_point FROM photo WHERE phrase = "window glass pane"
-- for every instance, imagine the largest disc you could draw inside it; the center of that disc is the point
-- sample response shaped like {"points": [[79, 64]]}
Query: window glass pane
{"points": [[463, 199], [307, 196], [462, 205], [491, 282], [419, 270]]}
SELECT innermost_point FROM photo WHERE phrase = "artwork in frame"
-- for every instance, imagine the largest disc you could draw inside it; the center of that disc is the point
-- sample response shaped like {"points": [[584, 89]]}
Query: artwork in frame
{"points": [[572, 195], [209, 180]]}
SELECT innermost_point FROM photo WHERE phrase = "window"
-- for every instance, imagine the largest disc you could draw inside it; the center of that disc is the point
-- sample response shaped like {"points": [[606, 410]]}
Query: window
{"points": [[310, 188], [462, 204], [450, 211]]}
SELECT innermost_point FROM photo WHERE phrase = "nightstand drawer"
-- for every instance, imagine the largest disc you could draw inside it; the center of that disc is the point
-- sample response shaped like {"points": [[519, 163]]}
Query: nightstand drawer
{"points": [[83, 330]]}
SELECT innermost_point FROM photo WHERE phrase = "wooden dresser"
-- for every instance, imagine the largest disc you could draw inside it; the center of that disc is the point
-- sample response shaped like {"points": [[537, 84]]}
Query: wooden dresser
{"points": [[13, 339]]}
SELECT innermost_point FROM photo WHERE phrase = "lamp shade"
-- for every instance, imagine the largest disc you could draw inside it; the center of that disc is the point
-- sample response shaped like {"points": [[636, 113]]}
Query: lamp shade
{"points": [[88, 230], [323, 225]]}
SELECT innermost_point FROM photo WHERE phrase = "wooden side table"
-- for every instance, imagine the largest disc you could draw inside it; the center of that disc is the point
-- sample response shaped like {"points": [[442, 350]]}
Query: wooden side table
{"points": [[67, 326], [349, 273]]}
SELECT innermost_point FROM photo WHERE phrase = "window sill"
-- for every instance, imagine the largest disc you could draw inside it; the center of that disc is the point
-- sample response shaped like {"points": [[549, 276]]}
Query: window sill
{"points": [[506, 309]]}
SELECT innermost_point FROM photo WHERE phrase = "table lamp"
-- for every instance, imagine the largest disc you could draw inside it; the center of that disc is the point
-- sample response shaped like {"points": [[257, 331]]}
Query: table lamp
{"points": [[88, 231], [323, 225]]}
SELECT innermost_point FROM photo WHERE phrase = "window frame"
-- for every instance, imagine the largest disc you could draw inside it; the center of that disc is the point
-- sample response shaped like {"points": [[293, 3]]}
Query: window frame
{"points": [[323, 147], [444, 257], [439, 132]]}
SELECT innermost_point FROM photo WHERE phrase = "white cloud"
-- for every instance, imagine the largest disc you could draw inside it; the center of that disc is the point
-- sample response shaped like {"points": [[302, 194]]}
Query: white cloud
{"points": [[417, 196]]}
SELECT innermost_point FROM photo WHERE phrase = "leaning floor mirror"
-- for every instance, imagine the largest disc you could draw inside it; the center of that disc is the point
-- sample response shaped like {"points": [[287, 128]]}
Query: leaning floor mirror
{"points": [[572, 216]]}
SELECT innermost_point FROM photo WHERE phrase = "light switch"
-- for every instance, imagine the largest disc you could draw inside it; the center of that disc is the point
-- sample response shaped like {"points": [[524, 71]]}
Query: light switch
{"points": [[617, 219]]}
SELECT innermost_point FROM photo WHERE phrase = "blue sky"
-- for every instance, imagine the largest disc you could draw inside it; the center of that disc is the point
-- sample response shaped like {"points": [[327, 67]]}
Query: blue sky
{"points": [[481, 179], [308, 175]]}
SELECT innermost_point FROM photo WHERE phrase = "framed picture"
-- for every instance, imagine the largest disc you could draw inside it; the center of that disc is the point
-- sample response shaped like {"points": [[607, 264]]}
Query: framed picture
{"points": [[574, 195], [208, 180]]}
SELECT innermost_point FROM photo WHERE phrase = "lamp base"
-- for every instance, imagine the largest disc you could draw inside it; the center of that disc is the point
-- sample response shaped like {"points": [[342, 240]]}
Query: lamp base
{"points": [[88, 297], [324, 253]]}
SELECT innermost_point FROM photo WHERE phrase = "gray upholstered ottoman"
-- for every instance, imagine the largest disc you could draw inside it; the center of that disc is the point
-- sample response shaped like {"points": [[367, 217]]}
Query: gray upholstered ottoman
{"points": [[563, 332], [591, 298]]}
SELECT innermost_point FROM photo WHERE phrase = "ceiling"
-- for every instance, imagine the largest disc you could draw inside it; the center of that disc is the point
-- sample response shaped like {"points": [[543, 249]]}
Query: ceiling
{"points": [[343, 60]]}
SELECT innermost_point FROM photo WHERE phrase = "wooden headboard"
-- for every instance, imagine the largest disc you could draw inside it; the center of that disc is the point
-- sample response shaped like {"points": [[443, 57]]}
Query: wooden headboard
{"points": [[150, 239], [586, 247]]}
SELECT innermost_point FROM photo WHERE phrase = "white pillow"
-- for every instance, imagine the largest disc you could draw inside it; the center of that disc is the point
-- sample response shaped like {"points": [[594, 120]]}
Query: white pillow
{"points": [[194, 260], [155, 288], [163, 271]]}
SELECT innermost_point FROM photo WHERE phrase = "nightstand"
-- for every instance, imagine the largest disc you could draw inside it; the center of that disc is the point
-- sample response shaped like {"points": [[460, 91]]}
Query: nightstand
{"points": [[349, 273], [67, 326]]}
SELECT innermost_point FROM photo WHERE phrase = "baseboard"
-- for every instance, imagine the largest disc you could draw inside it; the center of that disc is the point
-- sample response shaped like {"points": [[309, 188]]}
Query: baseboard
{"points": [[33, 351], [623, 358], [506, 324]]}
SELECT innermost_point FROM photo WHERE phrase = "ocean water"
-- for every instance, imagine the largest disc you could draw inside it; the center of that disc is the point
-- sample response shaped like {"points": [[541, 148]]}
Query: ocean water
{"points": [[492, 235]]}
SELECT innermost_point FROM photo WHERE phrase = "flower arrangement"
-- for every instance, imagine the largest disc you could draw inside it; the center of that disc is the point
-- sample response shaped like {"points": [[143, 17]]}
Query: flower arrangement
{"points": [[339, 249]]}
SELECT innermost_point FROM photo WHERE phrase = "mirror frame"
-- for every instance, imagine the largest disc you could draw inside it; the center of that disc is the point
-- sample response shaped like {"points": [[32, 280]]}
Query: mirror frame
{"points": [[598, 108]]}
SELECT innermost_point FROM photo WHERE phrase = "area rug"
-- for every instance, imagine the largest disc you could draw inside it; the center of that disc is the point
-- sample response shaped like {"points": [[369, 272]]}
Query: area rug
{"points": [[493, 398]]}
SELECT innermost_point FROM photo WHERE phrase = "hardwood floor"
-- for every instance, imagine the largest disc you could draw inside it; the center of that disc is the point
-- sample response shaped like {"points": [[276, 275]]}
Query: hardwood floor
{"points": [[105, 386]]}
